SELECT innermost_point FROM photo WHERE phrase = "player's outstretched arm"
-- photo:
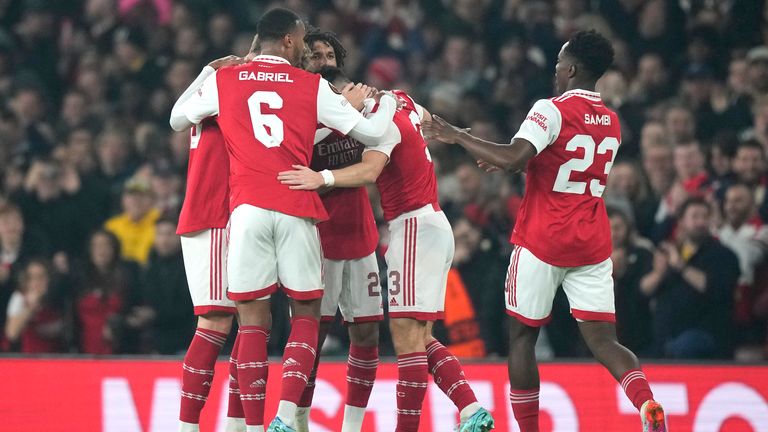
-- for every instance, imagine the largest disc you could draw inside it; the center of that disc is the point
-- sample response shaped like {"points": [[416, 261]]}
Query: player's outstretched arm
{"points": [[359, 174], [510, 157], [179, 120]]}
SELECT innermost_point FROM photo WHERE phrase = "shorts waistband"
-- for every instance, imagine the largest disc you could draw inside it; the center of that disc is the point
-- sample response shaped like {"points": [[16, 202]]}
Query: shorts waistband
{"points": [[427, 209]]}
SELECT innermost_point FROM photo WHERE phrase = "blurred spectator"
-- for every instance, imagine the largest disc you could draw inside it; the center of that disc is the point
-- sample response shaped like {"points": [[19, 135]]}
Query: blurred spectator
{"points": [[36, 316], [479, 269], [50, 203], [107, 288], [680, 123], [758, 71], [17, 245], [165, 311], [692, 289], [631, 262], [135, 226], [746, 235], [749, 167]]}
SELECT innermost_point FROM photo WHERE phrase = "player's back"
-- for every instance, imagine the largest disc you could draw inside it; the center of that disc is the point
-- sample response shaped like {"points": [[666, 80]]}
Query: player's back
{"points": [[268, 112], [408, 181], [563, 219], [206, 202]]}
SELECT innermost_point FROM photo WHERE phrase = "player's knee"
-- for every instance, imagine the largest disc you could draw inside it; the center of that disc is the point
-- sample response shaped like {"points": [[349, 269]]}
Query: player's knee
{"points": [[307, 308], [364, 334], [216, 321]]}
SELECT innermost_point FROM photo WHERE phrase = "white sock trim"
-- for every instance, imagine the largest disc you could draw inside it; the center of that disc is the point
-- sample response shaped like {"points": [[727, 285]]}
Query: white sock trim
{"points": [[287, 413], [469, 411], [353, 419]]}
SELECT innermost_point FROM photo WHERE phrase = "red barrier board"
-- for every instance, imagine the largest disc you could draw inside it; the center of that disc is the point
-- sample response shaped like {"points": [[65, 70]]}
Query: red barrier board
{"points": [[143, 396]]}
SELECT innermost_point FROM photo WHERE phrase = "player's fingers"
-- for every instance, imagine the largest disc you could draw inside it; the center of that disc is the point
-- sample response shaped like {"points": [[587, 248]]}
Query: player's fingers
{"points": [[347, 87]]}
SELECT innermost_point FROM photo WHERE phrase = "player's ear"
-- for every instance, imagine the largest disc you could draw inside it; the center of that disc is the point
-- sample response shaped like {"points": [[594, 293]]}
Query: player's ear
{"points": [[572, 69]]}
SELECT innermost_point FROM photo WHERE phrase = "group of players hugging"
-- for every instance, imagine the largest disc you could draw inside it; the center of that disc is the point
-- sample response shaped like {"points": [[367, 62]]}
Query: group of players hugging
{"points": [[282, 146]]}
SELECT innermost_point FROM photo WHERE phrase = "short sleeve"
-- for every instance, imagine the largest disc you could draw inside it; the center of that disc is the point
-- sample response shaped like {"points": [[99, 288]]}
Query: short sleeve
{"points": [[391, 139], [322, 134], [541, 126], [334, 110], [204, 103]]}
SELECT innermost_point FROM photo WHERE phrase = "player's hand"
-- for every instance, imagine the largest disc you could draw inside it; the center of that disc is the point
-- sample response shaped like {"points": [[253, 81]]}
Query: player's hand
{"points": [[487, 167], [229, 60], [673, 256], [441, 130], [301, 178], [356, 94]]}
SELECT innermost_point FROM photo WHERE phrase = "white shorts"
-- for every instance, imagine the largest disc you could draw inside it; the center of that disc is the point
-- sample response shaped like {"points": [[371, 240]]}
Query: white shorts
{"points": [[352, 286], [205, 262], [267, 247], [531, 286], [419, 257]]}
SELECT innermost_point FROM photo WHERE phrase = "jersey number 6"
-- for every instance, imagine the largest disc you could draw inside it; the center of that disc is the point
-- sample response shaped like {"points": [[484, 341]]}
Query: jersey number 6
{"points": [[563, 181], [267, 128]]}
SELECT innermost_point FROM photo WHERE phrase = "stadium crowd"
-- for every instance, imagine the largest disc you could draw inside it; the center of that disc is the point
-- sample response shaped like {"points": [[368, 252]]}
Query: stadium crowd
{"points": [[93, 177]]}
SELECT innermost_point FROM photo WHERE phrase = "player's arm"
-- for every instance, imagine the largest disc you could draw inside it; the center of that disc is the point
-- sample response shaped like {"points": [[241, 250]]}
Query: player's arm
{"points": [[201, 98], [539, 130], [335, 112], [367, 171]]}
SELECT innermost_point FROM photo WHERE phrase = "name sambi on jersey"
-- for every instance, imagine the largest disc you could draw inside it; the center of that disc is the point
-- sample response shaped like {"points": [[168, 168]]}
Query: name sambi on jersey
{"points": [[408, 181], [206, 202], [268, 112], [350, 231], [562, 218]]}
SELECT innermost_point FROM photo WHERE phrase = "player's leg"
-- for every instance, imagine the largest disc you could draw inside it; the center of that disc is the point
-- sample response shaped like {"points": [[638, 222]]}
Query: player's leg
{"points": [[590, 294], [411, 305], [205, 264], [412, 375], [332, 280], [250, 285], [300, 272], [529, 291], [361, 308], [433, 266]]}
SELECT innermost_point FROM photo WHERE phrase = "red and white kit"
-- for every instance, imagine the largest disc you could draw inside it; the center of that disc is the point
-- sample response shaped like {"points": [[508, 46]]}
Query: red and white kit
{"points": [[562, 234], [349, 237], [421, 245], [203, 220], [268, 111]]}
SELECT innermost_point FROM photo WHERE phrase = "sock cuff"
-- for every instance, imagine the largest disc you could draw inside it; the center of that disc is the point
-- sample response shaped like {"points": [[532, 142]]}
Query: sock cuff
{"points": [[434, 346], [523, 396], [247, 330], [416, 359], [364, 352], [629, 376], [310, 319], [214, 337]]}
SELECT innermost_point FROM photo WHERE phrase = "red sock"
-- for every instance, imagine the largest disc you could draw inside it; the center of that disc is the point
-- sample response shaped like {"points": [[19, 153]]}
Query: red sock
{"points": [[412, 378], [252, 371], [361, 373], [525, 405], [235, 406], [309, 390], [298, 358], [198, 373], [449, 376], [636, 387]]}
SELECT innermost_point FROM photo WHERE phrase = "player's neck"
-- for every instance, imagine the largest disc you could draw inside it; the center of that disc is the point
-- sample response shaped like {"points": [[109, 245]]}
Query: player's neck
{"points": [[581, 85], [273, 51]]}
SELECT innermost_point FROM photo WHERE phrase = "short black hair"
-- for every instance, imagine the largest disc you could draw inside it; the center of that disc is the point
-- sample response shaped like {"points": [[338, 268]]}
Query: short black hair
{"points": [[751, 144], [331, 39], [694, 201], [592, 50], [276, 23], [332, 74]]}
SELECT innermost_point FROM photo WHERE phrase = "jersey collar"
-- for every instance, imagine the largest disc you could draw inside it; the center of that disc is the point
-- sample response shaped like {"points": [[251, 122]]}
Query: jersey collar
{"points": [[586, 94], [270, 59]]}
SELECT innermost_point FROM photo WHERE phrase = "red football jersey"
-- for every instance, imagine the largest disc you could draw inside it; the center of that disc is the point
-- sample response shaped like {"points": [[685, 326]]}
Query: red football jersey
{"points": [[562, 218], [408, 181], [268, 112], [206, 203], [350, 232]]}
